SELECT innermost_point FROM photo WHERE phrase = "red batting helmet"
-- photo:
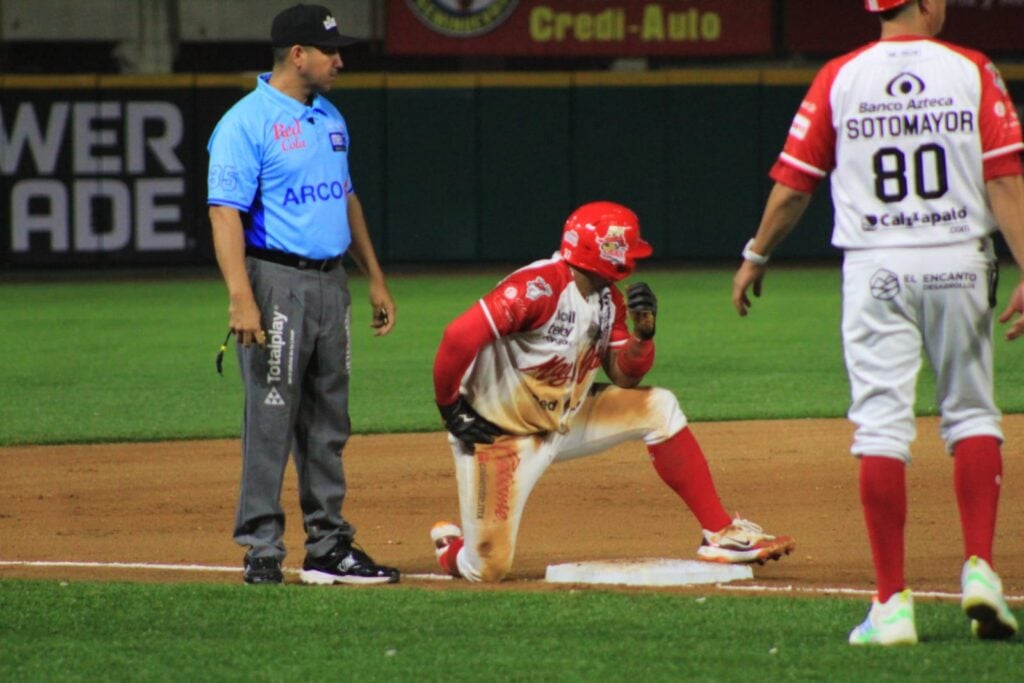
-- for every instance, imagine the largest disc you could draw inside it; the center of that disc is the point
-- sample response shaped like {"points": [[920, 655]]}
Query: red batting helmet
{"points": [[883, 5], [604, 238]]}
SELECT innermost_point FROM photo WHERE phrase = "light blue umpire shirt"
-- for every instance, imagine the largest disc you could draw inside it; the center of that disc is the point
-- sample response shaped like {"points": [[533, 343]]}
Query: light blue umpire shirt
{"points": [[284, 165]]}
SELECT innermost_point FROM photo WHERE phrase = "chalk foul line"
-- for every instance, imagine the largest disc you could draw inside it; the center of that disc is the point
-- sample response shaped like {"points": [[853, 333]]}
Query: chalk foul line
{"points": [[846, 591], [754, 588], [169, 567]]}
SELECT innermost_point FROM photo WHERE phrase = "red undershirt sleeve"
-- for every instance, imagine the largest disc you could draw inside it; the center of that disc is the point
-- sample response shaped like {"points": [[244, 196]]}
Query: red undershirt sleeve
{"points": [[637, 358], [462, 341]]}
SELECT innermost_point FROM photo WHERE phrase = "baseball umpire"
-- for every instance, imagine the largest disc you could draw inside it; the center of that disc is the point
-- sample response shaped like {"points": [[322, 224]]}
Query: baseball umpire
{"points": [[514, 381], [923, 145], [284, 213]]}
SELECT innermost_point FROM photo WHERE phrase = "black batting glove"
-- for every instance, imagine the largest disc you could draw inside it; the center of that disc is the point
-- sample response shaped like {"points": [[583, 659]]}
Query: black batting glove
{"points": [[643, 309], [466, 425]]}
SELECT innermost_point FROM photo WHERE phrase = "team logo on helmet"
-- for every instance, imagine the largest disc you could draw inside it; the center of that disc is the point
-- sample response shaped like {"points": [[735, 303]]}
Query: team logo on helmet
{"points": [[613, 246], [603, 238], [462, 18]]}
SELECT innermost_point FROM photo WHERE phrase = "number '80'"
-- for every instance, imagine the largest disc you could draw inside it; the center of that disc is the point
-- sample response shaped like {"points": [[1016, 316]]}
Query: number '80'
{"points": [[930, 178]]}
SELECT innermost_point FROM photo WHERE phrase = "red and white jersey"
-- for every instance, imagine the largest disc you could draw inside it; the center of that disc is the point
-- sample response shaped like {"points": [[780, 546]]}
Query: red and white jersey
{"points": [[911, 129], [549, 342]]}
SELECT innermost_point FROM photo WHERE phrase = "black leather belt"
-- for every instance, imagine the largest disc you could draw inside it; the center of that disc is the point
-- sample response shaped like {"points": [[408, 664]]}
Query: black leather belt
{"points": [[286, 259]]}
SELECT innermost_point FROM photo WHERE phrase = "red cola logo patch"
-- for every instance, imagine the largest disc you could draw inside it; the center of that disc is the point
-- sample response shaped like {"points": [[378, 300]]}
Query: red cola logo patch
{"points": [[462, 18]]}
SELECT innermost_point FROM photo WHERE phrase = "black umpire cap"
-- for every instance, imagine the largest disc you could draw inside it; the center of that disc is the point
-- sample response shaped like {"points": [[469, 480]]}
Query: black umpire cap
{"points": [[308, 25]]}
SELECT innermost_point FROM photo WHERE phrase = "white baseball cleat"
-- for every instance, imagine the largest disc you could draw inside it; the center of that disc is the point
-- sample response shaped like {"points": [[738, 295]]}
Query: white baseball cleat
{"points": [[442, 534], [743, 542], [982, 600], [888, 623]]}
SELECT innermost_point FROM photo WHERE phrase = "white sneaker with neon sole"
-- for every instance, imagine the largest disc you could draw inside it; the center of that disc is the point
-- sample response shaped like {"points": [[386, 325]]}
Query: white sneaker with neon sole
{"points": [[743, 542], [982, 600], [888, 623]]}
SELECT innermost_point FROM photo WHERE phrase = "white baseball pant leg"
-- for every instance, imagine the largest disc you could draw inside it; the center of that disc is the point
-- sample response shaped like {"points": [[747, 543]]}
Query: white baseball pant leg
{"points": [[495, 481], [898, 303]]}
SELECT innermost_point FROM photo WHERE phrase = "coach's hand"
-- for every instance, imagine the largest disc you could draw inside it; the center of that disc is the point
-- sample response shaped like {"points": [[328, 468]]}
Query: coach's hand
{"points": [[466, 425], [643, 309], [1016, 306], [749, 276]]}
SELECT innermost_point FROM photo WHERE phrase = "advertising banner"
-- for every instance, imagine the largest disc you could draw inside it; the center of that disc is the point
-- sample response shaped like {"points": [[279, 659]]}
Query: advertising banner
{"points": [[578, 28], [825, 28], [89, 179]]}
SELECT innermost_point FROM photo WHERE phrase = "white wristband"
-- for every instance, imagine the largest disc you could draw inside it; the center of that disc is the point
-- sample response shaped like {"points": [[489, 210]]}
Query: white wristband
{"points": [[750, 255]]}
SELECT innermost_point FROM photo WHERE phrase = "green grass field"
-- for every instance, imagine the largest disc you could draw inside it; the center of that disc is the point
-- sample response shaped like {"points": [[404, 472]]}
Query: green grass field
{"points": [[105, 360], [134, 360], [85, 631]]}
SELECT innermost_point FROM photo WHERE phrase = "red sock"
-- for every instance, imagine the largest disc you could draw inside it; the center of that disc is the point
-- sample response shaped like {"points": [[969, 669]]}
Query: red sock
{"points": [[680, 463], [883, 494], [447, 559], [977, 476]]}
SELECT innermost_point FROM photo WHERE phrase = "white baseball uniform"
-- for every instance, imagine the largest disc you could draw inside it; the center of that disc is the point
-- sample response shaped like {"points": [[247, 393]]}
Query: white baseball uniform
{"points": [[910, 129], [535, 380]]}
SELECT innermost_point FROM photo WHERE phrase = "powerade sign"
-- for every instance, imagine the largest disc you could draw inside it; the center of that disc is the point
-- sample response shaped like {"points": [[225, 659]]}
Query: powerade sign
{"points": [[87, 176]]}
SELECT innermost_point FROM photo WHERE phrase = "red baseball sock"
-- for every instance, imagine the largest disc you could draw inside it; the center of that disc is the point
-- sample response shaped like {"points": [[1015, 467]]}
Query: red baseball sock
{"points": [[883, 494], [977, 476], [447, 559], [680, 463]]}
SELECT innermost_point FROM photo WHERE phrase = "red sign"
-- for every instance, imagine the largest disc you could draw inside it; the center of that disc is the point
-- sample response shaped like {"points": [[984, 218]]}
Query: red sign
{"points": [[817, 27], [623, 28]]}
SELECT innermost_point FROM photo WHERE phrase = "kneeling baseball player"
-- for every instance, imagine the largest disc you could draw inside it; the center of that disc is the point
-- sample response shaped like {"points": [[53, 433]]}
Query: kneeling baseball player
{"points": [[514, 381]]}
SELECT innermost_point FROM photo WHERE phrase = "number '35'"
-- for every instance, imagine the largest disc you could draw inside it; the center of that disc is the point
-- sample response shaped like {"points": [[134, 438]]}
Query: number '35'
{"points": [[223, 177]]}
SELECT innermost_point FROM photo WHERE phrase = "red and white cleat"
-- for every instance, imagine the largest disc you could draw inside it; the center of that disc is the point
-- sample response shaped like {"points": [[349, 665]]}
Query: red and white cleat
{"points": [[743, 542]]}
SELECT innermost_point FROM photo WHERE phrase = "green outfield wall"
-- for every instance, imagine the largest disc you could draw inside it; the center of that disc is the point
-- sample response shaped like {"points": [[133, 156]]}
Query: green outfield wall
{"points": [[111, 170]]}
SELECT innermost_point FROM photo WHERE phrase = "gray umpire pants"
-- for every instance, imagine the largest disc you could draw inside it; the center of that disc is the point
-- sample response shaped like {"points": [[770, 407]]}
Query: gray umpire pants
{"points": [[296, 401]]}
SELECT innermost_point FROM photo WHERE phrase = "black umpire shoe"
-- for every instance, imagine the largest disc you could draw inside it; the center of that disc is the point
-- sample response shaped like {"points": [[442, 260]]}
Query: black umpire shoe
{"points": [[260, 570], [346, 564]]}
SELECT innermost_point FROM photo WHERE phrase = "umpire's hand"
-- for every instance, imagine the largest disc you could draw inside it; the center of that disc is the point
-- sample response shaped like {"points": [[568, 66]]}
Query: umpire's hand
{"points": [[466, 425], [383, 309], [244, 321]]}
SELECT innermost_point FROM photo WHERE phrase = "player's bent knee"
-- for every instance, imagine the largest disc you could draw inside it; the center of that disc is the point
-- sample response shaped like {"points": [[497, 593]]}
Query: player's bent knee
{"points": [[662, 405], [496, 561], [490, 565], [667, 418], [492, 574], [485, 572]]}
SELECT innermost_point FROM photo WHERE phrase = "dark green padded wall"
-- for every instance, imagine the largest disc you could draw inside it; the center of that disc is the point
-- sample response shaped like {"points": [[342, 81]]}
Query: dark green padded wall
{"points": [[619, 152], [485, 167], [713, 178], [432, 174], [525, 174], [363, 109]]}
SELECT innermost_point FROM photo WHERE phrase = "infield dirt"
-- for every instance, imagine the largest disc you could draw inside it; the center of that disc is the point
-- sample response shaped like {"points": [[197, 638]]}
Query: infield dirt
{"points": [[173, 503]]}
